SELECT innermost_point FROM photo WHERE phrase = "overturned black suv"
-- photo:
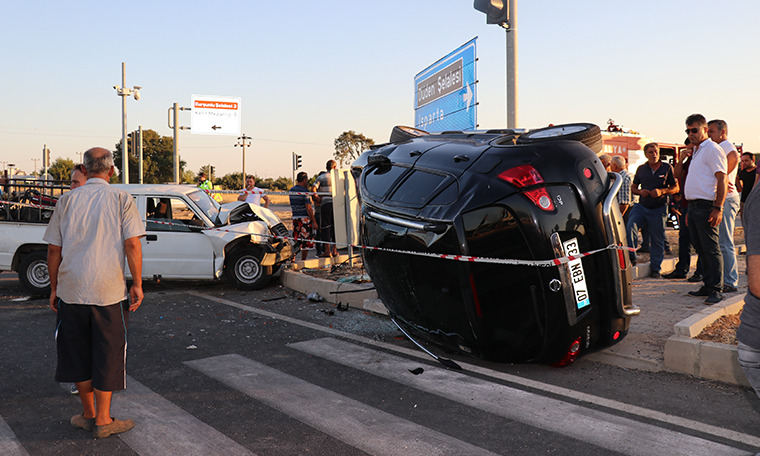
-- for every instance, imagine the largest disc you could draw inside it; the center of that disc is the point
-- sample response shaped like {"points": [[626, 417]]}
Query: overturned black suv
{"points": [[498, 194]]}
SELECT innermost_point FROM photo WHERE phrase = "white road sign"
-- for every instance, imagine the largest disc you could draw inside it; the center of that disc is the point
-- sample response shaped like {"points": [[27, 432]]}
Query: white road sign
{"points": [[214, 115]]}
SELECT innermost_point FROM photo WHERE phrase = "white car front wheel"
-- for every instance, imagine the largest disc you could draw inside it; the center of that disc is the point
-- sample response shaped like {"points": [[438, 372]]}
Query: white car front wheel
{"points": [[245, 270]]}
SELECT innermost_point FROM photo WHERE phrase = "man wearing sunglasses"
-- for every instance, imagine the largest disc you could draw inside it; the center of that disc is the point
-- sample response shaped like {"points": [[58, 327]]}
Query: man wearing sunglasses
{"points": [[705, 189]]}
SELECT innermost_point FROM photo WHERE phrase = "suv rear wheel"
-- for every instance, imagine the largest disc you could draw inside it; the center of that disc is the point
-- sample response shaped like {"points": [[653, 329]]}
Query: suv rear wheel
{"points": [[245, 270], [588, 134]]}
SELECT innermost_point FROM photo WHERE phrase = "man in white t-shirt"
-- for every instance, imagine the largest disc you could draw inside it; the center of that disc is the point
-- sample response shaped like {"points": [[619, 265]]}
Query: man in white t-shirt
{"points": [[717, 130], [705, 189], [253, 194]]}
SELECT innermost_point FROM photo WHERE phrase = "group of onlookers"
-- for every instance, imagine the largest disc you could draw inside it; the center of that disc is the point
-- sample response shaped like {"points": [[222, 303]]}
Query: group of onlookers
{"points": [[705, 190], [710, 183], [311, 207], [308, 206]]}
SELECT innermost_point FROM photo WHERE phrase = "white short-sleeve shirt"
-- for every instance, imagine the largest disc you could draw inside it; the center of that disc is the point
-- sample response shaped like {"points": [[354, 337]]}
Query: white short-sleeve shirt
{"points": [[90, 224], [254, 196], [727, 147], [708, 158]]}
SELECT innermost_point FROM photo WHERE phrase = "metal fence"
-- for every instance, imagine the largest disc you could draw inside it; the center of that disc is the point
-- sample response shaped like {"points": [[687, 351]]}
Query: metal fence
{"points": [[29, 200]]}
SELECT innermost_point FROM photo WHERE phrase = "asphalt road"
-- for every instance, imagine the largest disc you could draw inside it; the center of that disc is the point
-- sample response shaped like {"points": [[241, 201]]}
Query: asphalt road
{"points": [[216, 371]]}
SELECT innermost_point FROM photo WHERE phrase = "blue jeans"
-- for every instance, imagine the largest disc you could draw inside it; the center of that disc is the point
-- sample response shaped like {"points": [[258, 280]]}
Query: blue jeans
{"points": [[727, 247], [749, 360], [706, 241], [654, 219]]}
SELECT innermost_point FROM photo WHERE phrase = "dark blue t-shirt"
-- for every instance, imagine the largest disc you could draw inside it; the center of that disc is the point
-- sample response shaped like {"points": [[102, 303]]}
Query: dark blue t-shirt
{"points": [[298, 202], [661, 178]]}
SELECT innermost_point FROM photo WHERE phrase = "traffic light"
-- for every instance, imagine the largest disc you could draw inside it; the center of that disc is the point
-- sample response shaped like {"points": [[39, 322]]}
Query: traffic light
{"points": [[211, 172], [298, 161], [497, 11]]}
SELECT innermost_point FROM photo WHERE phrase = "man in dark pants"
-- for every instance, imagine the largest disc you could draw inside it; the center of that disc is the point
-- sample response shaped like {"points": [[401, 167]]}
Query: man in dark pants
{"points": [[93, 232], [705, 188], [653, 182], [681, 170]]}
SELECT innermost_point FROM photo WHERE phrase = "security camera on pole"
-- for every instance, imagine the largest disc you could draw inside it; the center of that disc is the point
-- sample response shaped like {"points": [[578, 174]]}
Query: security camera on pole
{"points": [[124, 92]]}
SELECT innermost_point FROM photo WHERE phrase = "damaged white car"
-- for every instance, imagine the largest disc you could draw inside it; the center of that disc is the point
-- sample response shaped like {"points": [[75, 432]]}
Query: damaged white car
{"points": [[189, 237]]}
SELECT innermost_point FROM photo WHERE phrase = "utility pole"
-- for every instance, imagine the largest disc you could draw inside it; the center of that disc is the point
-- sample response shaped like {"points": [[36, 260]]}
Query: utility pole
{"points": [[242, 143], [140, 151], [35, 160], [46, 161]]}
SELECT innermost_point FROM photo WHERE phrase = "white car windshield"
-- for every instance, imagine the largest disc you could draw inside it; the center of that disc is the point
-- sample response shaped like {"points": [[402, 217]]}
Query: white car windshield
{"points": [[206, 204]]}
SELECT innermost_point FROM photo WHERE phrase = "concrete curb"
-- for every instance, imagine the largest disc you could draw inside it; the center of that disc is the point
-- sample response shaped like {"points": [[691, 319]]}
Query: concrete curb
{"points": [[703, 359]]}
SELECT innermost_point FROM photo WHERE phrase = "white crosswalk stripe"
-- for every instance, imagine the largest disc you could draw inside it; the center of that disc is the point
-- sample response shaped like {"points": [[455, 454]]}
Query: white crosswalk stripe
{"points": [[361, 426], [164, 429], [9, 444], [599, 428]]}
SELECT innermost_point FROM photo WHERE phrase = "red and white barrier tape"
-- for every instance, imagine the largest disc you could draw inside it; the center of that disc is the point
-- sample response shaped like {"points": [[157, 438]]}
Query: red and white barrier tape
{"points": [[444, 256], [240, 192], [466, 258]]}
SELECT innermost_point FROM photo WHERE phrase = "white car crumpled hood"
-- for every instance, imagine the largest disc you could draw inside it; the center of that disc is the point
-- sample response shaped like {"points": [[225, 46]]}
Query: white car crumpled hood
{"points": [[263, 212]]}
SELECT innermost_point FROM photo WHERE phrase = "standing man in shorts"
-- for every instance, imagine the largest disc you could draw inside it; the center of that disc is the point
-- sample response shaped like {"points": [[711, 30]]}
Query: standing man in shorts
{"points": [[304, 222], [91, 233]]}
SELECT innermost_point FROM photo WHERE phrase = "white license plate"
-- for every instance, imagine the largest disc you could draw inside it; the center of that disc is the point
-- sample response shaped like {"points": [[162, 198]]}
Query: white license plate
{"points": [[577, 275]]}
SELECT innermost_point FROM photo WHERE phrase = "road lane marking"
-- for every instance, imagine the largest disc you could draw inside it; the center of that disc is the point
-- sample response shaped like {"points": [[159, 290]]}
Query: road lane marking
{"points": [[599, 428], [359, 425], [708, 429], [164, 429], [9, 443]]}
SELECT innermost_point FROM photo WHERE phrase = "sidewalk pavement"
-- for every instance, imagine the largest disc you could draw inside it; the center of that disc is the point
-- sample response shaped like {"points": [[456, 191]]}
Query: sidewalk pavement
{"points": [[663, 303]]}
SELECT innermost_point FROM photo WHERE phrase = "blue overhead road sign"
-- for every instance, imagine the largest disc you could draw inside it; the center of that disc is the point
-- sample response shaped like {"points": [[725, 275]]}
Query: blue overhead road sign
{"points": [[445, 94]]}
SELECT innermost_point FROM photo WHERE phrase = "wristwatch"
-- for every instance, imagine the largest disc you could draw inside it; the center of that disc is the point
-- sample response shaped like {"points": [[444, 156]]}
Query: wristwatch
{"points": [[718, 208]]}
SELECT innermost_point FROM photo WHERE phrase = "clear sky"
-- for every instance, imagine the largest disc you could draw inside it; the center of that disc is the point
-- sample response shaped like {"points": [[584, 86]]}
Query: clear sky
{"points": [[307, 71]]}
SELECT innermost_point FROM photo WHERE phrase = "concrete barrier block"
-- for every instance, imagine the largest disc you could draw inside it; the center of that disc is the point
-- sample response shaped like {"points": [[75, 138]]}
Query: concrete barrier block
{"points": [[375, 305], [682, 355], [721, 362], [333, 292]]}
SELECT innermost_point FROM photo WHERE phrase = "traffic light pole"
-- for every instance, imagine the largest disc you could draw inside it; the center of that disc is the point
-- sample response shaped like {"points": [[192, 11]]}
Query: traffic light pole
{"points": [[513, 112], [176, 128]]}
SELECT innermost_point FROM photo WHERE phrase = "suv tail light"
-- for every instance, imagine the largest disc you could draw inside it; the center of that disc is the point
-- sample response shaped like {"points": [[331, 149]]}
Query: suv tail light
{"points": [[526, 176], [572, 353]]}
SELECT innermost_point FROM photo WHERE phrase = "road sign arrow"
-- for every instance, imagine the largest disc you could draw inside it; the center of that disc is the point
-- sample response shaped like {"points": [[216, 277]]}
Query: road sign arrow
{"points": [[467, 97], [216, 128]]}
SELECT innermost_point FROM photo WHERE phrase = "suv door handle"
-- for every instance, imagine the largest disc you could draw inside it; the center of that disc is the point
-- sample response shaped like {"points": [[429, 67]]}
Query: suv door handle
{"points": [[151, 237]]}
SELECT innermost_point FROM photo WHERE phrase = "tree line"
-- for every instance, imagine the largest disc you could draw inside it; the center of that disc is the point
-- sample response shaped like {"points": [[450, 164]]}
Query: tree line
{"points": [[158, 164]]}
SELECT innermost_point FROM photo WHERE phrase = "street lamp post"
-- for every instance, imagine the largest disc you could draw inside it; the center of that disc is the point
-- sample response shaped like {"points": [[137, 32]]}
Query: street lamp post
{"points": [[124, 92]]}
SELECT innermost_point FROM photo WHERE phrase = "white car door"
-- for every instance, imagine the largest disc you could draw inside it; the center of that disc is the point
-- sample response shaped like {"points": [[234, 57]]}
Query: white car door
{"points": [[175, 247]]}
